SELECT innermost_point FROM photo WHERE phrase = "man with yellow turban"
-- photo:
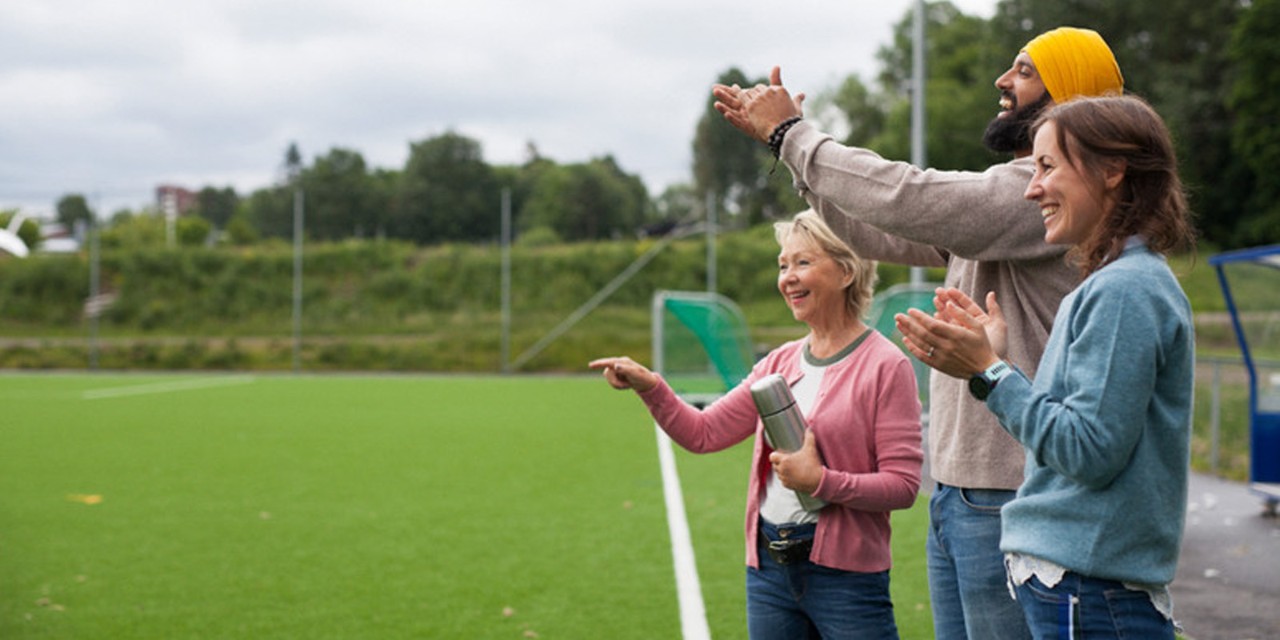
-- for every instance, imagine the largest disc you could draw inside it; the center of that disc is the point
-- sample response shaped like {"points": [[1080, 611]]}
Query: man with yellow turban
{"points": [[1069, 63], [990, 239]]}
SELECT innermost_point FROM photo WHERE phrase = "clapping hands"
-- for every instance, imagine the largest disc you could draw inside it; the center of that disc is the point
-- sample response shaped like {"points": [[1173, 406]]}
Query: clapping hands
{"points": [[960, 339]]}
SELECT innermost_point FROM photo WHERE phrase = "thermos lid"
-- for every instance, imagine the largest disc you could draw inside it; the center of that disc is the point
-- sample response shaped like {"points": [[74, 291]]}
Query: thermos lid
{"points": [[771, 394]]}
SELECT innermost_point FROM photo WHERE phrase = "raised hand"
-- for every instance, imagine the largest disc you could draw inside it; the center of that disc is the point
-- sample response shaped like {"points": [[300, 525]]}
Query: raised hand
{"points": [[758, 110]]}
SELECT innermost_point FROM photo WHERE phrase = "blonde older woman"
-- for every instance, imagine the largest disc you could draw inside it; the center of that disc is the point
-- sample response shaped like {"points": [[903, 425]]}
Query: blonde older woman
{"points": [[823, 573]]}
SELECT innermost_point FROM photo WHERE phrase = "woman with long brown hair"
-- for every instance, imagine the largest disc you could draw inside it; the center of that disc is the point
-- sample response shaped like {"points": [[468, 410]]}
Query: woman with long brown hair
{"points": [[1092, 538]]}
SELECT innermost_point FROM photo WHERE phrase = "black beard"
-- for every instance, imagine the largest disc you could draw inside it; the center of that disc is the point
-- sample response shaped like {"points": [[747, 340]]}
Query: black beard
{"points": [[1012, 133]]}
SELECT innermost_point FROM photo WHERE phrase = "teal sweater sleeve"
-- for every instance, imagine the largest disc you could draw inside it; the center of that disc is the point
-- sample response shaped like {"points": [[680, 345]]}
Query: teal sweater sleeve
{"points": [[1106, 426]]}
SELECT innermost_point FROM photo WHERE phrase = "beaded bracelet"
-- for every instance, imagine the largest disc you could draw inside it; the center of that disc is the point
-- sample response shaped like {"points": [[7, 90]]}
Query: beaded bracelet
{"points": [[779, 133]]}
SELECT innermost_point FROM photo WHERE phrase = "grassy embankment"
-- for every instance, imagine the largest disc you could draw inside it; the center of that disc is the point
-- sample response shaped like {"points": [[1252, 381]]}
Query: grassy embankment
{"points": [[387, 306]]}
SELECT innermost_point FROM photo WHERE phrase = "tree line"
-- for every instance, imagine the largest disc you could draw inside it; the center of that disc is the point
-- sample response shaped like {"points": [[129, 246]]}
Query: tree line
{"points": [[1208, 66]]}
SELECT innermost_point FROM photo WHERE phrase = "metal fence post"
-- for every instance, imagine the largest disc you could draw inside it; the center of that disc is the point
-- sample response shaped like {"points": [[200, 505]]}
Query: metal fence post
{"points": [[1215, 416]]}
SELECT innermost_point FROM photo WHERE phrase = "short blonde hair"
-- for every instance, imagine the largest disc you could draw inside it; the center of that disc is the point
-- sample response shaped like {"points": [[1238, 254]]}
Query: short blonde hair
{"points": [[809, 227]]}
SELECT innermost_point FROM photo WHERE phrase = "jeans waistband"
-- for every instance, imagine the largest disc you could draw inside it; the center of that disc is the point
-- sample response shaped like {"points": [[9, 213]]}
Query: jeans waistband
{"points": [[943, 485], [784, 532]]}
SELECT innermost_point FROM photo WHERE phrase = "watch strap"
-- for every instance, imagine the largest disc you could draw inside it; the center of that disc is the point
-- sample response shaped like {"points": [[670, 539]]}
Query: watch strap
{"points": [[996, 371], [982, 384]]}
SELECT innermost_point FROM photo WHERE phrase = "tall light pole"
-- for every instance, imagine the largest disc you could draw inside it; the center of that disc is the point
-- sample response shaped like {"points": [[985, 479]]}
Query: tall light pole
{"points": [[95, 284], [297, 277], [506, 280], [917, 104], [711, 242], [293, 173]]}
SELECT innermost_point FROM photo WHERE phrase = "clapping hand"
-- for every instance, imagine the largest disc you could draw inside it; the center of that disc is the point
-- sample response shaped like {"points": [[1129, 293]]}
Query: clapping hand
{"points": [[960, 339]]}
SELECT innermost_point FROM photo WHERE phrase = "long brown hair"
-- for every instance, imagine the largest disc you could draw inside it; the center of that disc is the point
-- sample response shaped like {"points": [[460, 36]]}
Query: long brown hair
{"points": [[1151, 201]]}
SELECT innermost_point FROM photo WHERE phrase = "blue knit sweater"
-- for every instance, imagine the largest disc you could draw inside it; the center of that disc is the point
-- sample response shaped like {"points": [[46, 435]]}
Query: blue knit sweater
{"points": [[1107, 427]]}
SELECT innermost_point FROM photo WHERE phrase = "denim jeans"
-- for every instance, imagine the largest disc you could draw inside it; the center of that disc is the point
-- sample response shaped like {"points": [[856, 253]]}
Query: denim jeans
{"points": [[1083, 607], [967, 584], [806, 600]]}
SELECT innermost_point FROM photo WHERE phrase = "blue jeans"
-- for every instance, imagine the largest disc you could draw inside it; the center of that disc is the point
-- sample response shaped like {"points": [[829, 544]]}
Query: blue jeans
{"points": [[806, 600], [1083, 607], [967, 584]]}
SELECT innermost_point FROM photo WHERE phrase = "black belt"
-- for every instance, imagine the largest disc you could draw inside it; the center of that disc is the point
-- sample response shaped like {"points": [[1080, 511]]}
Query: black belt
{"points": [[788, 550]]}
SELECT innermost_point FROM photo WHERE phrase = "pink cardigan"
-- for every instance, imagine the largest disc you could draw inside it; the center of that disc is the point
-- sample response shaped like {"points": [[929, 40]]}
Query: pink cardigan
{"points": [[867, 423]]}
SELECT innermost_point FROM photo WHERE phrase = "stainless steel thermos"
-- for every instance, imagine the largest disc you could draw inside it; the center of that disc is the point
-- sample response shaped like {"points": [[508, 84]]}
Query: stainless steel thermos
{"points": [[784, 427]]}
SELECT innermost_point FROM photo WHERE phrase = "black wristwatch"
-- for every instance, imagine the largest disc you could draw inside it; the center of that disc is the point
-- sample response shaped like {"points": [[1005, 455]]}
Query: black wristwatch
{"points": [[982, 384]]}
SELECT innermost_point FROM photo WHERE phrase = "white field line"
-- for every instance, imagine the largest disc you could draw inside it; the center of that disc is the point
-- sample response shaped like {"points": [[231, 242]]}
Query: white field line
{"points": [[693, 614], [166, 387]]}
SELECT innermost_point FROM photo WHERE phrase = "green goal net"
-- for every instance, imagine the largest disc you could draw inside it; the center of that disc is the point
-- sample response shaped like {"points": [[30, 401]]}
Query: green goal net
{"points": [[701, 344], [898, 299]]}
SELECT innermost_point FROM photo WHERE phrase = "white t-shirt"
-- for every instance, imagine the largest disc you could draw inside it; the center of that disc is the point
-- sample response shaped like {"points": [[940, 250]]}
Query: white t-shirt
{"points": [[780, 504]]}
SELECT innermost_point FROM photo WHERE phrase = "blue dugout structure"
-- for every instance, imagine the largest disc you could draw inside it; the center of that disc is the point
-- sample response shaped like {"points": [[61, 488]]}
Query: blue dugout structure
{"points": [[1250, 281]]}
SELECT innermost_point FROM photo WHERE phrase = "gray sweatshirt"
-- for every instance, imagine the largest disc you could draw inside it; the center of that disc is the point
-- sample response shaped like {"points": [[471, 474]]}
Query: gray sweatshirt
{"points": [[977, 225]]}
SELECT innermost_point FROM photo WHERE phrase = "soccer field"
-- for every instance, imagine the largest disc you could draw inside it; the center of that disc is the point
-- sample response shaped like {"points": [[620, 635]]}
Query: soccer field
{"points": [[198, 506]]}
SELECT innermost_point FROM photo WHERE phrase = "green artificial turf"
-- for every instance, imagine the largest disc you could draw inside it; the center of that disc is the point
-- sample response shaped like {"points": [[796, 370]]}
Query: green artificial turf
{"points": [[198, 506]]}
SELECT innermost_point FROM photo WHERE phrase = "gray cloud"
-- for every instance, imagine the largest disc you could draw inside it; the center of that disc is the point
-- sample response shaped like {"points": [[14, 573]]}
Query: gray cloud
{"points": [[111, 99]]}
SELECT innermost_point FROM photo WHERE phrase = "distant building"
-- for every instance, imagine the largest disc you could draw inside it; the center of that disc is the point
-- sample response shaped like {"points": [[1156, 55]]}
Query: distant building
{"points": [[174, 201], [55, 237]]}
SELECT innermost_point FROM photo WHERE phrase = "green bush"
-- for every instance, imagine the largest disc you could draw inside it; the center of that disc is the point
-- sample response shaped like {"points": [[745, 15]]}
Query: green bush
{"points": [[45, 290], [448, 295], [541, 236]]}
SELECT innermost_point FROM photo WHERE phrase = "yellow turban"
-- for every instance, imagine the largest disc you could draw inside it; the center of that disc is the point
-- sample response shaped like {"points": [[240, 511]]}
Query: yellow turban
{"points": [[1075, 62]]}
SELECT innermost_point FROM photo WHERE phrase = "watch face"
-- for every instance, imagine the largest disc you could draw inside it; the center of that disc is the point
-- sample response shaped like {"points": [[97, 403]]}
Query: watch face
{"points": [[979, 387]]}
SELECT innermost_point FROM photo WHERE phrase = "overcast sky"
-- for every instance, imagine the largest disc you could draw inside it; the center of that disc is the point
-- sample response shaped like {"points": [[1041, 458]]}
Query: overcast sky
{"points": [[111, 99]]}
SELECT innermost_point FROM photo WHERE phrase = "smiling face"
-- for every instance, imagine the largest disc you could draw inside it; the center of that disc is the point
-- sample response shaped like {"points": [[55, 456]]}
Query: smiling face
{"points": [[1023, 97], [1021, 85], [1072, 202], [811, 282]]}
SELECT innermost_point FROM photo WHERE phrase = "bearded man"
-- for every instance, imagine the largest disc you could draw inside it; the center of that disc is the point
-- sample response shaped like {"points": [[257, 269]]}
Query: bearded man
{"points": [[990, 239]]}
